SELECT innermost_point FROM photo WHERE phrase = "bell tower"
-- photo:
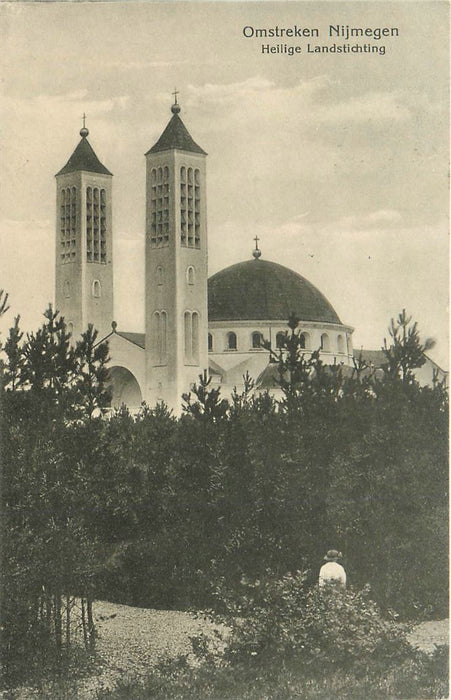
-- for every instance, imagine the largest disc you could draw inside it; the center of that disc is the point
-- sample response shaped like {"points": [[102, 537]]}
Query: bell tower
{"points": [[84, 250], [176, 263]]}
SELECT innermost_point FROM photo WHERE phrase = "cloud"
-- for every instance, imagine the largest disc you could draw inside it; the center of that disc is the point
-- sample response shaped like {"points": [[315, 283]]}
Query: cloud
{"points": [[46, 105], [369, 107], [227, 93], [15, 233], [135, 65], [315, 100], [384, 215]]}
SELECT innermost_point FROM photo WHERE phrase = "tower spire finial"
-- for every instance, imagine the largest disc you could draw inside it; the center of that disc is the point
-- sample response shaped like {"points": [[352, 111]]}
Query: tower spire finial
{"points": [[175, 109], [84, 132], [257, 252]]}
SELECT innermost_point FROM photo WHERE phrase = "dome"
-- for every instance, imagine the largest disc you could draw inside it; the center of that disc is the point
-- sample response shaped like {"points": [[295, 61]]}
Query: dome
{"points": [[262, 290]]}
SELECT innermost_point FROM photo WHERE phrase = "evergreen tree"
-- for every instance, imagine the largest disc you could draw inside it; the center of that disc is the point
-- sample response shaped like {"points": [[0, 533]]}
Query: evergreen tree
{"points": [[51, 393], [405, 352]]}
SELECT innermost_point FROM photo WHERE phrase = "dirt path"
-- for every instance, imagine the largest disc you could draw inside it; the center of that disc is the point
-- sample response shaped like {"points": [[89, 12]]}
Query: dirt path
{"points": [[428, 635], [130, 640]]}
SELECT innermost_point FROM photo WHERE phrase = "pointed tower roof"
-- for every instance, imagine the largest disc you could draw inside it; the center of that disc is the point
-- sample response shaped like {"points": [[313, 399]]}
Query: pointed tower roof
{"points": [[84, 158], [176, 135]]}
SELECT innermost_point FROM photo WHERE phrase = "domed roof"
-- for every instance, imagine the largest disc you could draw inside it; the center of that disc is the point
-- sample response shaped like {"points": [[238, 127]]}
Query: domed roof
{"points": [[263, 290]]}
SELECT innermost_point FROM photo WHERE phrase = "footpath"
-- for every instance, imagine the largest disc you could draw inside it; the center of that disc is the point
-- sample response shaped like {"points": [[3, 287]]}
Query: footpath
{"points": [[130, 640]]}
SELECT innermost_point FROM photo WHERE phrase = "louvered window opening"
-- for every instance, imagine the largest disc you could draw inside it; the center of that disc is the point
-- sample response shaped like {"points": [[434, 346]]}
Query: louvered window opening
{"points": [[68, 224], [159, 225], [190, 207], [95, 225]]}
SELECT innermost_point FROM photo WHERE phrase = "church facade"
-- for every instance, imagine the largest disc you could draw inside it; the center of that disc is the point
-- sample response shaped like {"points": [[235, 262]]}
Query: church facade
{"points": [[192, 323]]}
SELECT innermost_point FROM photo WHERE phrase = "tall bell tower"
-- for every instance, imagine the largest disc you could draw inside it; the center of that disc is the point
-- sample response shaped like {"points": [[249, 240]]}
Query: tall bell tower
{"points": [[176, 263], [84, 244]]}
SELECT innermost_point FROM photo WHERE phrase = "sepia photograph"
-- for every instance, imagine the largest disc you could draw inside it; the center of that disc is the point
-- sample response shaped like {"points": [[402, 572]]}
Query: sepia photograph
{"points": [[224, 368]]}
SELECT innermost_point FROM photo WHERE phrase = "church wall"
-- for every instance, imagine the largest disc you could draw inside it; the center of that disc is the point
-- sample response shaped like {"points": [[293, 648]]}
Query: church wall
{"points": [[425, 375], [244, 329], [125, 354]]}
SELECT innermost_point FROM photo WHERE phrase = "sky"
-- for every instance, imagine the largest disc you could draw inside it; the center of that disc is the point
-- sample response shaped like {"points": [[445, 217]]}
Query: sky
{"points": [[337, 162]]}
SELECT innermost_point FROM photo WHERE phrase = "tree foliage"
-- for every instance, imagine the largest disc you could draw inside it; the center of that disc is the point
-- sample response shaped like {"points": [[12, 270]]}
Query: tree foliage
{"points": [[157, 511], [51, 392], [405, 352]]}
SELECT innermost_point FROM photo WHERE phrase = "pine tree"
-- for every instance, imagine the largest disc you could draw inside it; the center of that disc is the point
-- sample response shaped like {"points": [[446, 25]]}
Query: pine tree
{"points": [[405, 352], [54, 397]]}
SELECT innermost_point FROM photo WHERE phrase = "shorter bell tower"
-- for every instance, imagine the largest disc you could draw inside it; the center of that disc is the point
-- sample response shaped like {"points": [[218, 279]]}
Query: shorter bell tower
{"points": [[176, 263], [84, 243]]}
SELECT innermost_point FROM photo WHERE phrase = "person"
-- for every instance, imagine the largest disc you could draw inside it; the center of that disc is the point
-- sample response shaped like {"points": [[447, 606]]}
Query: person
{"points": [[332, 574]]}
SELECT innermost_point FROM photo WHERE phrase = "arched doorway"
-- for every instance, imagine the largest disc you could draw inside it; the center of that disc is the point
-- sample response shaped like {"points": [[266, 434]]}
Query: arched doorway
{"points": [[125, 388]]}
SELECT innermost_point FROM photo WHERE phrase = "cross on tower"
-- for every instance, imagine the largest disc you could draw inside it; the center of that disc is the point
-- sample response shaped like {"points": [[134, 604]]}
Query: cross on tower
{"points": [[84, 120], [256, 252], [175, 93]]}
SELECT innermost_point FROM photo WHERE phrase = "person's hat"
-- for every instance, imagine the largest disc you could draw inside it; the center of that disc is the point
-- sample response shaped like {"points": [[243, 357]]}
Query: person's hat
{"points": [[333, 555]]}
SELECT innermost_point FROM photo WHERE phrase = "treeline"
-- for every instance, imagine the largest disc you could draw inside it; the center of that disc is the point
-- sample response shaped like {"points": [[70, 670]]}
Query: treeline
{"points": [[164, 512]]}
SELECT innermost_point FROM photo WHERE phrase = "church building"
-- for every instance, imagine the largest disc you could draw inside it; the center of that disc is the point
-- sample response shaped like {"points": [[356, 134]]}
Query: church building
{"points": [[192, 323]]}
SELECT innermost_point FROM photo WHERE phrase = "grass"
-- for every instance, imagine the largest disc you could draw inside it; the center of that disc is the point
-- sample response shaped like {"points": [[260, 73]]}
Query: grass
{"points": [[425, 676]]}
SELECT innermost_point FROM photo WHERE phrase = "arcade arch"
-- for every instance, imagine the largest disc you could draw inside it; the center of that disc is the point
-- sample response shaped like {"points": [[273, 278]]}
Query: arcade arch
{"points": [[125, 388]]}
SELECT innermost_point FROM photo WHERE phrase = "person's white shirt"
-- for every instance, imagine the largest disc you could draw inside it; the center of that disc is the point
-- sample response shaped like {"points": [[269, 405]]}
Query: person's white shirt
{"points": [[332, 574]]}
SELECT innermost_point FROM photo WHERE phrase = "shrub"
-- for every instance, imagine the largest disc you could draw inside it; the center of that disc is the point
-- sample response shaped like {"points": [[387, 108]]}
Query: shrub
{"points": [[284, 621]]}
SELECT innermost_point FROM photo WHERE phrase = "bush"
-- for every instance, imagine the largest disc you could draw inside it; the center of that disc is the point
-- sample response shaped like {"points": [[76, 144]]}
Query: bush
{"points": [[284, 621], [287, 642]]}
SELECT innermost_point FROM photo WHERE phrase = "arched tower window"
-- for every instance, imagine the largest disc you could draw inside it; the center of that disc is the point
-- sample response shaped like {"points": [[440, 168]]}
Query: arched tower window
{"points": [[70, 327], [162, 337], [188, 334], [304, 341], [231, 341], [325, 343], [195, 339], [160, 275], [159, 337], [340, 344], [190, 213], [159, 206], [210, 342], [68, 224], [96, 289], [66, 289], [257, 340], [95, 225], [191, 324], [190, 275]]}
